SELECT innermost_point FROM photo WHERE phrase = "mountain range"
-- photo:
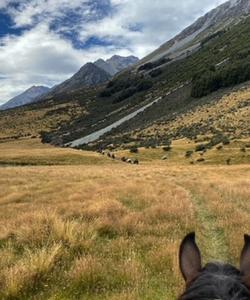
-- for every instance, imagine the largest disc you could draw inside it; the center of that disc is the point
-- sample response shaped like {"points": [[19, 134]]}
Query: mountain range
{"points": [[91, 74], [181, 90], [27, 97], [116, 63]]}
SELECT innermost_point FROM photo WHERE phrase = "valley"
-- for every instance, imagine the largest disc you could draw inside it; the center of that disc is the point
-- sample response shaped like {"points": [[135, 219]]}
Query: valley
{"points": [[102, 175]]}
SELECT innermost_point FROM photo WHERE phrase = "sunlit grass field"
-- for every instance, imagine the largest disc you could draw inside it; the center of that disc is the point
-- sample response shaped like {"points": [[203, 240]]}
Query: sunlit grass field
{"points": [[78, 225]]}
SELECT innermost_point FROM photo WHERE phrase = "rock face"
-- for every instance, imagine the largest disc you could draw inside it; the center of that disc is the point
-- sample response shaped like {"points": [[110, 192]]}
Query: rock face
{"points": [[227, 14], [28, 96], [116, 63]]}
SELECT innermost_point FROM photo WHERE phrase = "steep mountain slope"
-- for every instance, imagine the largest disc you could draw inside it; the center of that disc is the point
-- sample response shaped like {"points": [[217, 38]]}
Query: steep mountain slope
{"points": [[28, 96], [222, 115], [227, 14], [88, 75]]}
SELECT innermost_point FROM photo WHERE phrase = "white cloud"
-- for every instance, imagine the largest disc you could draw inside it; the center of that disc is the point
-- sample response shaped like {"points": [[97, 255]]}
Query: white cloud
{"points": [[4, 3], [42, 56], [159, 21], [28, 12]]}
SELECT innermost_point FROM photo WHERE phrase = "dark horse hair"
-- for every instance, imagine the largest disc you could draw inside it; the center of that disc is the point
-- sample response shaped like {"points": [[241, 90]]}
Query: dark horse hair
{"points": [[215, 281]]}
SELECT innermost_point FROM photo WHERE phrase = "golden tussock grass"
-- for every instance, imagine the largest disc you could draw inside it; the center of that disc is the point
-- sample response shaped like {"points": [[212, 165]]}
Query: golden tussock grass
{"points": [[31, 121], [27, 272], [112, 230], [231, 111]]}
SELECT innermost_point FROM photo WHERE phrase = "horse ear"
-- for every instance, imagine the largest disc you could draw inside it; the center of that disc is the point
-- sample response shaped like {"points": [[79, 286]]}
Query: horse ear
{"points": [[245, 260], [189, 258]]}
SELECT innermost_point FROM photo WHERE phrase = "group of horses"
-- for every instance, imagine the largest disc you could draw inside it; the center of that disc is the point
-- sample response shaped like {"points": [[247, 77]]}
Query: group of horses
{"points": [[123, 159]]}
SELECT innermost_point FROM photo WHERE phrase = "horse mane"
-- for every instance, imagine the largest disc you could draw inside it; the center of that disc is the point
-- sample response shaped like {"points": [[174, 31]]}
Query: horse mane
{"points": [[217, 281]]}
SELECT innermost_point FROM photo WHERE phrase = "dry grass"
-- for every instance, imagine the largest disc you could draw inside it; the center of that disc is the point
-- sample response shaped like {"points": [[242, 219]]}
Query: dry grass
{"points": [[177, 156], [32, 152], [29, 271], [112, 230], [230, 115], [30, 121]]}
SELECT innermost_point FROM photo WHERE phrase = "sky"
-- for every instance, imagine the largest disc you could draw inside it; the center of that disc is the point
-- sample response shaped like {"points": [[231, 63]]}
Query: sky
{"points": [[43, 42]]}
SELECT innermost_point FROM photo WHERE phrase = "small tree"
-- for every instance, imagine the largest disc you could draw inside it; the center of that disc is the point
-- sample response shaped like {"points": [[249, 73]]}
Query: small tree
{"points": [[189, 153], [167, 148]]}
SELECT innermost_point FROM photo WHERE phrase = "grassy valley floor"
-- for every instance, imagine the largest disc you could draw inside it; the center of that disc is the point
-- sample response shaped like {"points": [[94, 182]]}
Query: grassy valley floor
{"points": [[78, 225]]}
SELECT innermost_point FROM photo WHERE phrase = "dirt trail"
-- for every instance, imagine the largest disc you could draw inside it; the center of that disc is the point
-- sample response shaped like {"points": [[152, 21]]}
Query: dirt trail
{"points": [[210, 235]]}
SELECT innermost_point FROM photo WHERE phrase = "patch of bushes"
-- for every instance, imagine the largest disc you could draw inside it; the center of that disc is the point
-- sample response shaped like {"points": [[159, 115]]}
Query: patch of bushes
{"points": [[243, 54], [167, 148], [155, 64], [189, 153], [144, 85], [225, 140], [208, 82], [200, 147], [218, 139], [150, 143], [123, 88], [125, 94], [105, 93], [133, 149], [212, 37], [147, 66], [156, 73], [201, 159], [45, 137]]}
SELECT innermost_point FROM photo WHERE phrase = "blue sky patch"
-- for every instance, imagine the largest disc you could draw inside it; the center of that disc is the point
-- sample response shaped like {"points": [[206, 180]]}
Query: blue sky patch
{"points": [[7, 25]]}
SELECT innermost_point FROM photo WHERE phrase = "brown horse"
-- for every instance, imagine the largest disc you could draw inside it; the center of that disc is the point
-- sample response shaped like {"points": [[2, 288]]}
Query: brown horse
{"points": [[215, 281]]}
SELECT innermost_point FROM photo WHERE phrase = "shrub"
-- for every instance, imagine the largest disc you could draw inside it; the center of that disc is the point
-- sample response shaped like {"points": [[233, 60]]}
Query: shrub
{"points": [[133, 149], [105, 93], [200, 147], [189, 153], [151, 65], [150, 143], [45, 137], [146, 66], [144, 85], [125, 94], [155, 73], [201, 159], [225, 141], [166, 148]]}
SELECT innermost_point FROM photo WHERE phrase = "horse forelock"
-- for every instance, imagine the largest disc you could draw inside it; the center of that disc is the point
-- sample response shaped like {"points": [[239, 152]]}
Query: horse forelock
{"points": [[217, 281]]}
